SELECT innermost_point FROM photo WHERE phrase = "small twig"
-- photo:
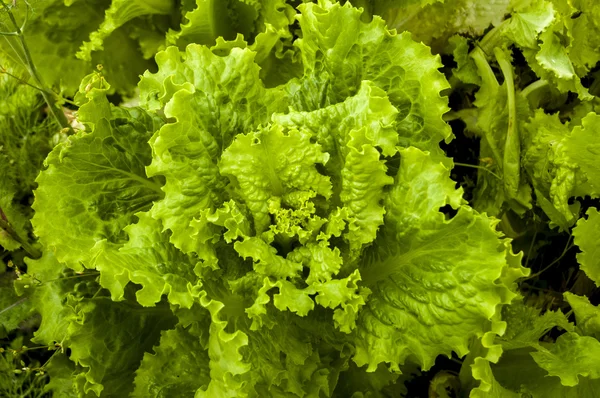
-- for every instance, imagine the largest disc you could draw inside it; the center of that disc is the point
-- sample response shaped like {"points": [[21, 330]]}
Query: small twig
{"points": [[42, 368], [57, 96], [25, 349], [38, 283], [568, 247], [16, 304], [4, 71], [97, 292], [478, 167], [530, 248], [549, 291], [458, 361], [72, 277]]}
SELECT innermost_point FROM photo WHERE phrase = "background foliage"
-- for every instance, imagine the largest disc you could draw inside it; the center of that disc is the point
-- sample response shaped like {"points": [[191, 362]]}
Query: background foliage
{"points": [[244, 198]]}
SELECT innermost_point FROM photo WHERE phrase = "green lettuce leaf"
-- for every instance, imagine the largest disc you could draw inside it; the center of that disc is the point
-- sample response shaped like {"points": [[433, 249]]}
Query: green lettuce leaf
{"points": [[185, 152], [531, 364], [361, 51], [526, 326], [488, 387], [518, 373], [265, 24], [572, 355], [585, 233], [407, 316], [179, 366], [582, 148], [501, 112], [106, 340], [561, 164], [149, 260], [466, 69], [434, 22], [95, 181], [119, 13], [271, 164], [271, 361], [209, 20], [110, 358], [62, 372], [113, 242], [551, 173], [50, 297], [528, 22], [587, 315]]}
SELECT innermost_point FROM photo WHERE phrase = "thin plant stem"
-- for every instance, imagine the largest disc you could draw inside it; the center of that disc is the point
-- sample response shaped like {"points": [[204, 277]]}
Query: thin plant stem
{"points": [[549, 291], [97, 292], [50, 101], [72, 277], [48, 360], [478, 167], [531, 248], [25, 349], [4, 71], [19, 302], [458, 361], [568, 247]]}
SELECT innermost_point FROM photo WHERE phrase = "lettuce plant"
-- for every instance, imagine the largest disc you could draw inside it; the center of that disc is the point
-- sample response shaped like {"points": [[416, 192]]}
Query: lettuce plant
{"points": [[285, 226], [314, 205]]}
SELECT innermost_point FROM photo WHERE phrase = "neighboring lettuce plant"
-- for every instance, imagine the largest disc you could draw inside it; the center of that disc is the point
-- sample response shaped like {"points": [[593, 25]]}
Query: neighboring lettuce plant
{"points": [[27, 135], [70, 38], [54, 30]]}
